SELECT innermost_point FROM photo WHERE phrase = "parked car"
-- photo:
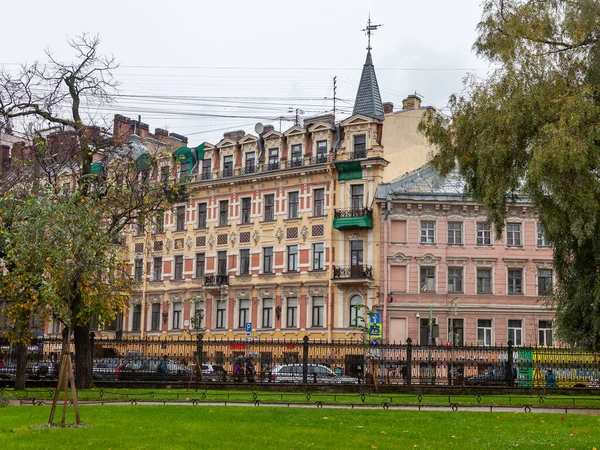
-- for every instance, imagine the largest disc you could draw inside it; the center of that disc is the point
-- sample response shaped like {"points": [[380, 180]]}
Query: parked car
{"points": [[41, 370], [492, 376], [214, 372], [148, 370], [105, 369], [8, 371], [317, 373]]}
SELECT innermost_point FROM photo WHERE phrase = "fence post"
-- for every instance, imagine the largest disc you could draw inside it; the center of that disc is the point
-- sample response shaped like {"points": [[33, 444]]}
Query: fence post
{"points": [[408, 367], [200, 349], [305, 360], [509, 365], [92, 342]]}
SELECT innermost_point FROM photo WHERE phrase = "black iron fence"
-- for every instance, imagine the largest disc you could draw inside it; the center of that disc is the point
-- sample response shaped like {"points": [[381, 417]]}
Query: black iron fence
{"points": [[317, 361]]}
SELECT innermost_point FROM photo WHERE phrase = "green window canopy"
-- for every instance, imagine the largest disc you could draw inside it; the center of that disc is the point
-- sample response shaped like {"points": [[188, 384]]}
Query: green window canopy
{"points": [[352, 223], [143, 162], [189, 156], [97, 168], [348, 170]]}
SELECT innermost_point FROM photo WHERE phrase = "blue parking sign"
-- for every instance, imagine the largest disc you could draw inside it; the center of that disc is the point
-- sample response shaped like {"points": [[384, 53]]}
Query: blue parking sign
{"points": [[248, 327], [375, 317]]}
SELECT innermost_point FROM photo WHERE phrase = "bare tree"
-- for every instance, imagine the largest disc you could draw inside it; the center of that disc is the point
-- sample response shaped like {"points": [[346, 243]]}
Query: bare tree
{"points": [[57, 94]]}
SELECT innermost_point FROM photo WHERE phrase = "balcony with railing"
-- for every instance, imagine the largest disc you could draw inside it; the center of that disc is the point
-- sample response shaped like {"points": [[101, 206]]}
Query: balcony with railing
{"points": [[353, 218], [271, 166], [216, 280], [353, 273], [358, 154]]}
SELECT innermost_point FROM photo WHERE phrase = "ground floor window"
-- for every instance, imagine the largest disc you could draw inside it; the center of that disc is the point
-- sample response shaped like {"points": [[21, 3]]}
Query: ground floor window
{"points": [[484, 332], [545, 337], [515, 331]]}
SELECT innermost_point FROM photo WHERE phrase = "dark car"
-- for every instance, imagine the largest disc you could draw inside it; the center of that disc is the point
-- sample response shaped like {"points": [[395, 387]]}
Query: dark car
{"points": [[42, 370], [8, 371], [492, 376], [152, 370]]}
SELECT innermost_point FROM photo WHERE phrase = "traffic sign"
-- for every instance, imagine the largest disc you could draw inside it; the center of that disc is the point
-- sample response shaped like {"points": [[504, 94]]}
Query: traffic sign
{"points": [[375, 330], [248, 327], [375, 317]]}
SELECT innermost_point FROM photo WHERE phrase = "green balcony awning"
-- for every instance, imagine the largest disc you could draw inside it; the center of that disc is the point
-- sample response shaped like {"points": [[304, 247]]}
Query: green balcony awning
{"points": [[348, 170], [97, 168], [143, 162], [352, 223]]}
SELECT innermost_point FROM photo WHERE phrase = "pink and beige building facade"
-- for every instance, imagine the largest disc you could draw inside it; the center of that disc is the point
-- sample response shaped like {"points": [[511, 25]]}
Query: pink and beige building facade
{"points": [[442, 262]]}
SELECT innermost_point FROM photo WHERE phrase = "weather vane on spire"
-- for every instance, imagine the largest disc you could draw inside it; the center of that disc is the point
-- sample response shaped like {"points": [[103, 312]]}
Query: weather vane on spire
{"points": [[370, 28]]}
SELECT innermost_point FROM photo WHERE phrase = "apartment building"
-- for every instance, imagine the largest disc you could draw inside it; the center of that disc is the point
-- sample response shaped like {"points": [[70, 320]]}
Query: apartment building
{"points": [[444, 265]]}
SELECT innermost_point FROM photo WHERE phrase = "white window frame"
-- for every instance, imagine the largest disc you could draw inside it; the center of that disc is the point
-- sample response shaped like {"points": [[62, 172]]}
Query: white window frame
{"points": [[516, 330], [545, 332], [484, 234], [434, 290], [511, 235], [488, 333], [425, 234], [455, 235], [540, 236], [508, 284]]}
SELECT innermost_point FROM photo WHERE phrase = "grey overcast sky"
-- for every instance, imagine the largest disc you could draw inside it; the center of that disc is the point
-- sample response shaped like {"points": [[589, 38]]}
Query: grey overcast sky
{"points": [[188, 61]]}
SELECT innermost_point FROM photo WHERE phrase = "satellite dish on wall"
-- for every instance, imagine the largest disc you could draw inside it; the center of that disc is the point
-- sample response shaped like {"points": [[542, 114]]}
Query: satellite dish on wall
{"points": [[259, 128]]}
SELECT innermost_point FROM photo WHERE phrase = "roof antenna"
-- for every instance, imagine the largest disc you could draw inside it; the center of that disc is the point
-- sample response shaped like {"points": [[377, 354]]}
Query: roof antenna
{"points": [[370, 28]]}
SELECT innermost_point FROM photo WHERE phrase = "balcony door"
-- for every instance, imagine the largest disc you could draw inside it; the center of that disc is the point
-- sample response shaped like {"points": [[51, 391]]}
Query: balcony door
{"points": [[222, 263], [357, 197], [356, 259]]}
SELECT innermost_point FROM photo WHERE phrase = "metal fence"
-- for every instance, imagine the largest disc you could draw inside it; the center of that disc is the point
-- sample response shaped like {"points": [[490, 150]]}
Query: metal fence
{"points": [[317, 361]]}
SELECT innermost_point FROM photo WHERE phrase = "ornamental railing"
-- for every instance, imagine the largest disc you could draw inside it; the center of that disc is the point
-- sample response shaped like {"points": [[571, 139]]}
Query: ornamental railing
{"points": [[352, 272], [352, 360], [354, 212], [216, 280], [358, 154]]}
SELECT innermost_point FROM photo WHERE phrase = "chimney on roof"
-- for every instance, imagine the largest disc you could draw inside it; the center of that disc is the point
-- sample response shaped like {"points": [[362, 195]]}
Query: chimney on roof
{"points": [[327, 118], [179, 137], [268, 128], [388, 107], [234, 135], [413, 101], [161, 132]]}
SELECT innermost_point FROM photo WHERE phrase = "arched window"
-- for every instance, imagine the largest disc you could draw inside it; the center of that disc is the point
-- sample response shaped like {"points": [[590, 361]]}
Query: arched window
{"points": [[356, 313]]}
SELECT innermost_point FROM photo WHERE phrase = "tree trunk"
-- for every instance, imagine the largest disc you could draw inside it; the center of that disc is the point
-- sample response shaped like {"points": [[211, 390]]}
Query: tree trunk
{"points": [[83, 357], [21, 366]]}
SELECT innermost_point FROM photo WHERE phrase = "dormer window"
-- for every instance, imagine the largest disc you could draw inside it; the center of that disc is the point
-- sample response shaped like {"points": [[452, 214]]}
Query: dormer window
{"points": [[321, 152], [297, 155], [360, 146], [206, 169], [185, 170], [164, 174], [228, 166], [273, 159], [250, 162]]}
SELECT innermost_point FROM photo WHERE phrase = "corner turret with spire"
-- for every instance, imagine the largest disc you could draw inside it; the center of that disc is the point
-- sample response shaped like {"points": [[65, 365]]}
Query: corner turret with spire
{"points": [[368, 99]]}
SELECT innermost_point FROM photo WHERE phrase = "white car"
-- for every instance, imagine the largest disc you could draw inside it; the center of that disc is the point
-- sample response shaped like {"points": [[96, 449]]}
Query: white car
{"points": [[317, 373]]}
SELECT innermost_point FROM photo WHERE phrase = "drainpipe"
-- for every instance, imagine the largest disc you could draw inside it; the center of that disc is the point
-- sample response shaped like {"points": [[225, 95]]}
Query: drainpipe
{"points": [[330, 316], [384, 267]]}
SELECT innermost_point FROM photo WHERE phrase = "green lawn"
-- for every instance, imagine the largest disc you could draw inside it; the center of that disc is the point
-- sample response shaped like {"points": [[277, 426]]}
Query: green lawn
{"points": [[172, 427], [171, 395]]}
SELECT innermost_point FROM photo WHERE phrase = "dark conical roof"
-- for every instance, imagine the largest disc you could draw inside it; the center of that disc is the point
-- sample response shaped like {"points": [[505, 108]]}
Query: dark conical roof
{"points": [[368, 99]]}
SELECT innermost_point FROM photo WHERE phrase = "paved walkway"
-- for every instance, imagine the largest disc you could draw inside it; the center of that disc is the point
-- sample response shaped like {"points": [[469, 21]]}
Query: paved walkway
{"points": [[385, 405]]}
